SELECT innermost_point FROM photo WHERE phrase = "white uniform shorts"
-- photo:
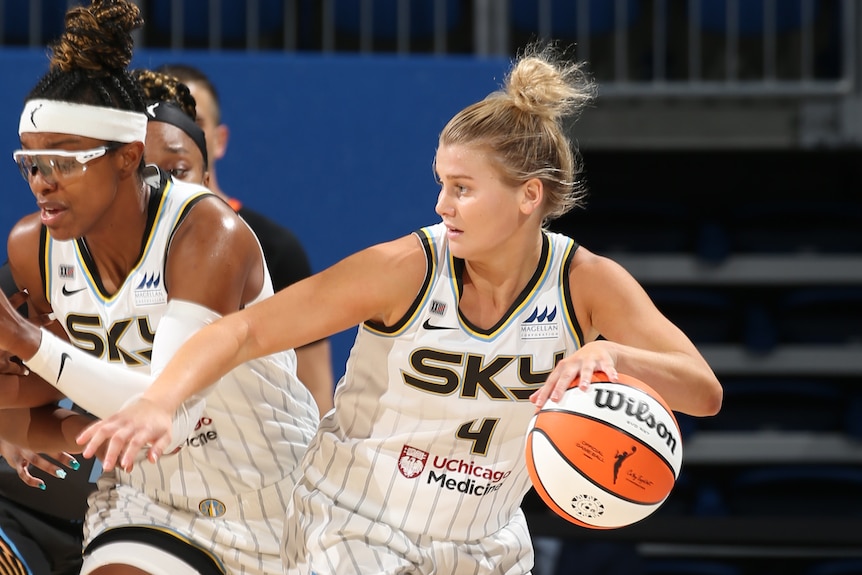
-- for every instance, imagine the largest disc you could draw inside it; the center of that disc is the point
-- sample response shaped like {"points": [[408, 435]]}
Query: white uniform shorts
{"points": [[322, 539], [151, 529]]}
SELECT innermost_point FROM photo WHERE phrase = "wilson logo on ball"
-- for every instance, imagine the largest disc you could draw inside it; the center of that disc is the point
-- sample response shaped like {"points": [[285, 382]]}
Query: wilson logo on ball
{"points": [[639, 410]]}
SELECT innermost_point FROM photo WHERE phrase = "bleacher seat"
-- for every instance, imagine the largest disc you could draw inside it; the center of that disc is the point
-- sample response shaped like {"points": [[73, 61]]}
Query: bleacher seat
{"points": [[606, 557], [752, 16], [820, 315], [853, 414], [624, 224], [850, 566], [796, 491], [782, 226], [690, 566], [682, 498], [779, 404], [706, 315], [752, 27], [16, 20], [232, 17], [759, 333], [599, 46], [708, 499], [713, 242], [565, 14], [385, 14]]}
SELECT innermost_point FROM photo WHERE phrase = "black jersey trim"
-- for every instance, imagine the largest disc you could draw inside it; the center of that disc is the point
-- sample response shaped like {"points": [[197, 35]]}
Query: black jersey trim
{"points": [[457, 266], [184, 212], [427, 241], [201, 560], [567, 292], [43, 262], [90, 268]]}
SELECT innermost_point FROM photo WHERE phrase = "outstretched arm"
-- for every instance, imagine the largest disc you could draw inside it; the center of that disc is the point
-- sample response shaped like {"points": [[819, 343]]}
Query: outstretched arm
{"points": [[378, 283]]}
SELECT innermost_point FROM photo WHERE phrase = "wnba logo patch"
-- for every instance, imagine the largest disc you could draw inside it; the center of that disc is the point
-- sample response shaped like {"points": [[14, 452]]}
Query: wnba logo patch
{"points": [[212, 508], [412, 461]]}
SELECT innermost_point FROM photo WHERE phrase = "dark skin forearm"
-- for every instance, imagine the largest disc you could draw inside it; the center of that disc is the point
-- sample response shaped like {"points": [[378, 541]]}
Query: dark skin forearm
{"points": [[26, 391], [43, 429]]}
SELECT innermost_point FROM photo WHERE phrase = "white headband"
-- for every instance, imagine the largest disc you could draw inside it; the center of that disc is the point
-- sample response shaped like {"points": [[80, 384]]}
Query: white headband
{"points": [[98, 122]]}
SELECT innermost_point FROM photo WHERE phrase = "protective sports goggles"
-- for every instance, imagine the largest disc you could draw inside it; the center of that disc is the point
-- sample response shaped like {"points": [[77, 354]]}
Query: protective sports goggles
{"points": [[57, 165]]}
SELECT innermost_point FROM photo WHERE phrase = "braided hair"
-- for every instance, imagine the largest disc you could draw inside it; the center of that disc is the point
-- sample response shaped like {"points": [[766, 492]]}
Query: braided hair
{"points": [[89, 62], [161, 87]]}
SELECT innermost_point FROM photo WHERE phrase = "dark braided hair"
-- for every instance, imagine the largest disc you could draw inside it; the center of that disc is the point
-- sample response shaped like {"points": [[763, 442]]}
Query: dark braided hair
{"points": [[160, 87], [89, 62], [187, 74]]}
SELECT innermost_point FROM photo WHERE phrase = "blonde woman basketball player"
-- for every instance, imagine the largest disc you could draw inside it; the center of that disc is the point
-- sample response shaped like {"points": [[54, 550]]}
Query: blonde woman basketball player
{"points": [[464, 328]]}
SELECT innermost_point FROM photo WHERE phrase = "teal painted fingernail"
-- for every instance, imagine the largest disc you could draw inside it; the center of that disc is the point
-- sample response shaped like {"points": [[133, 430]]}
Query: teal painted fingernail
{"points": [[73, 463], [43, 487], [61, 473]]}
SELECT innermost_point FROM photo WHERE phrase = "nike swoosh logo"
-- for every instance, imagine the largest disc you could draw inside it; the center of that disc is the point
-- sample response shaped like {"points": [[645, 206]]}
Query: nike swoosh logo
{"points": [[68, 292], [33, 113], [428, 325], [63, 358]]}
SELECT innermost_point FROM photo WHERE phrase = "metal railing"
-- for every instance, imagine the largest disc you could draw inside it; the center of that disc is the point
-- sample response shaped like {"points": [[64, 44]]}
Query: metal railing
{"points": [[637, 47]]}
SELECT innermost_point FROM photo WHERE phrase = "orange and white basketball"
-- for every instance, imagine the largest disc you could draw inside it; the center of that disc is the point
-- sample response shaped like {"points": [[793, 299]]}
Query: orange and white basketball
{"points": [[606, 457]]}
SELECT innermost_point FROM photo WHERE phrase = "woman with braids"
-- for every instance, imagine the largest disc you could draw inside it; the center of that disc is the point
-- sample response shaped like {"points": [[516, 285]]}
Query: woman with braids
{"points": [[175, 143], [420, 468], [286, 257], [40, 531], [131, 263]]}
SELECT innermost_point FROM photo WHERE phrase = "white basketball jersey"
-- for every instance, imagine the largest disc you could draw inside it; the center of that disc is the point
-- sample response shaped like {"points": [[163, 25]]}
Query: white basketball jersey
{"points": [[430, 423], [242, 458]]}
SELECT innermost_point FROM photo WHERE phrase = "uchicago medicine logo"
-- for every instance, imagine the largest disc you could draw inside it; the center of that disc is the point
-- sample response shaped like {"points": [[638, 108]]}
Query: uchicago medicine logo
{"points": [[452, 474]]}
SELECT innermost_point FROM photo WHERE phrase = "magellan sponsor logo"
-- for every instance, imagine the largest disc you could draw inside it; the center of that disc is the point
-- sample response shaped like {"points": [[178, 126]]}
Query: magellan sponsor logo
{"points": [[149, 290], [541, 324]]}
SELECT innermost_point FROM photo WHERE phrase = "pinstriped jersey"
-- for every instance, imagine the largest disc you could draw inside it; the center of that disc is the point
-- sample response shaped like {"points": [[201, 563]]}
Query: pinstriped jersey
{"points": [[258, 418], [429, 429]]}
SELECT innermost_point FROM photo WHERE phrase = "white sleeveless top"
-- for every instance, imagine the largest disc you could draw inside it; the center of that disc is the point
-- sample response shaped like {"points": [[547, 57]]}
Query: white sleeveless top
{"points": [[258, 418], [429, 429]]}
